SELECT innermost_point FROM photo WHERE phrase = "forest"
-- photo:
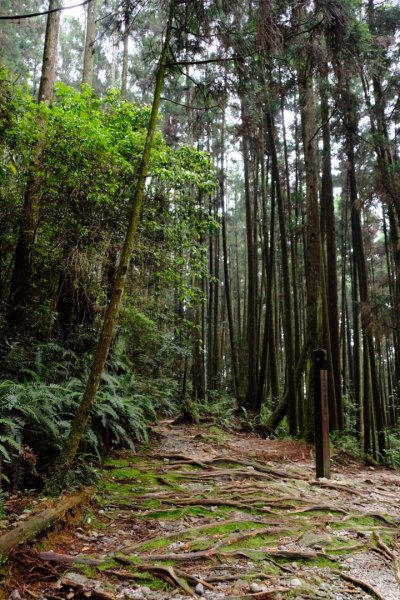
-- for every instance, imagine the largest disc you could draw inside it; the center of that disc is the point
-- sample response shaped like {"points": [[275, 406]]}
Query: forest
{"points": [[194, 196]]}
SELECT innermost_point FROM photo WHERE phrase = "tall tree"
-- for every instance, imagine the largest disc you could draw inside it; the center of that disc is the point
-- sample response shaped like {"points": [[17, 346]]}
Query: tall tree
{"points": [[21, 281], [90, 38]]}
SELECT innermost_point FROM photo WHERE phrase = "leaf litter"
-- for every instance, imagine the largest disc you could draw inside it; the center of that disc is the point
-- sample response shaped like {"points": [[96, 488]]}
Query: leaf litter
{"points": [[207, 513]]}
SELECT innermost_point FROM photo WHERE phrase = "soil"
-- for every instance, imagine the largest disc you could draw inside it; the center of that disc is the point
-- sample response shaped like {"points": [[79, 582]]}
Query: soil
{"points": [[201, 512]]}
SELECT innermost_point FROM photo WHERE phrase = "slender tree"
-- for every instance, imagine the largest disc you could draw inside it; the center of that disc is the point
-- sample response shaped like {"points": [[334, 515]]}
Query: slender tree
{"points": [[88, 55], [21, 281]]}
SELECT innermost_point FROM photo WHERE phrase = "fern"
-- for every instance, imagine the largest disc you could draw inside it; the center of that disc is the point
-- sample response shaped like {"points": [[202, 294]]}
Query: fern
{"points": [[38, 414]]}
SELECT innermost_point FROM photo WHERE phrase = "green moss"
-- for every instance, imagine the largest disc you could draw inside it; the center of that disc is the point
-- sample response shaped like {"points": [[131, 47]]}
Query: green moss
{"points": [[356, 521], [154, 544], [320, 562], [118, 462], [232, 527], [108, 564], [268, 568], [253, 542], [126, 473], [147, 579], [87, 570], [152, 503]]}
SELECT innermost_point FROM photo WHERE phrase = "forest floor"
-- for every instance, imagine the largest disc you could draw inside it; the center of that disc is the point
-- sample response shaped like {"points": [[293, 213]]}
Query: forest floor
{"points": [[200, 512]]}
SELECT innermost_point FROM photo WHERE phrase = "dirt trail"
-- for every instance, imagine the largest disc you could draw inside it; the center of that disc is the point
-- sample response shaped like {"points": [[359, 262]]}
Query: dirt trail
{"points": [[205, 513]]}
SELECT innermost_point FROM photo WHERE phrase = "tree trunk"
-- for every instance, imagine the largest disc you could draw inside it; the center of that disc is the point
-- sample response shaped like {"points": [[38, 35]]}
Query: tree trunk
{"points": [[125, 58], [358, 249], [88, 54], [227, 282], [287, 301], [251, 327], [313, 255], [328, 212], [65, 460], [20, 296]]}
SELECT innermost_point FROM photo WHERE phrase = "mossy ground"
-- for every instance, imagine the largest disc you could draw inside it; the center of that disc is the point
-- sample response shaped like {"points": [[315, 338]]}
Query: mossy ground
{"points": [[152, 511]]}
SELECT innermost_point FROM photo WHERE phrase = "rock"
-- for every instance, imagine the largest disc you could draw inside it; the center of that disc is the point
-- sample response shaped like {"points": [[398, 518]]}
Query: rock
{"points": [[256, 587], [146, 591], [22, 517], [295, 582], [325, 586], [316, 540], [73, 578], [199, 589]]}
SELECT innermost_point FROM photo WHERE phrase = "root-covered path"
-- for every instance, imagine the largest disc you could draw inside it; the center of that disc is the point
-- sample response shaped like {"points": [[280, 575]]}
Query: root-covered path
{"points": [[206, 513]]}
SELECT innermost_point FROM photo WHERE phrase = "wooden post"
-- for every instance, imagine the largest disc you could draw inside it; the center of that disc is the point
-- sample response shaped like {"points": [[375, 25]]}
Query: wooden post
{"points": [[322, 454]]}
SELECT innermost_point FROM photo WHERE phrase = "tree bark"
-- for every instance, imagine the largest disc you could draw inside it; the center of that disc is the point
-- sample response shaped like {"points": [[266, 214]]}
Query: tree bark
{"points": [[88, 55], [313, 254], [328, 212], [251, 328]]}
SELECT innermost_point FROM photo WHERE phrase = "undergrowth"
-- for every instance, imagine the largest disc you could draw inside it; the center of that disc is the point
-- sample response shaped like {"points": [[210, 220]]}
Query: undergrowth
{"points": [[36, 415], [218, 407]]}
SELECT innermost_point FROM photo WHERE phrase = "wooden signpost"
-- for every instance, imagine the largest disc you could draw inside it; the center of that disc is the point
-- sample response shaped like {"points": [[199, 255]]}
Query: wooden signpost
{"points": [[321, 412]]}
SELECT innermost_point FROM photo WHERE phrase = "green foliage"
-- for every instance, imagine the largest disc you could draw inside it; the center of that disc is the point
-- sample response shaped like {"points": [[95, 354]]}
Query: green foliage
{"points": [[139, 336], [257, 423], [92, 148], [345, 442], [38, 415], [392, 454], [218, 408]]}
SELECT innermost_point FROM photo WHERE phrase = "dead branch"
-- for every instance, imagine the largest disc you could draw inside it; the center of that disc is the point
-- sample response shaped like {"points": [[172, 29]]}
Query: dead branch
{"points": [[67, 559], [38, 523]]}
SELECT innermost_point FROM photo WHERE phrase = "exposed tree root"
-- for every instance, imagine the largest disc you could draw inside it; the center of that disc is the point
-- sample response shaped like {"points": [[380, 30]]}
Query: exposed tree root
{"points": [[321, 507], [361, 584], [232, 474], [173, 574], [389, 554], [337, 486], [373, 515], [215, 502], [177, 534], [228, 460], [216, 550]]}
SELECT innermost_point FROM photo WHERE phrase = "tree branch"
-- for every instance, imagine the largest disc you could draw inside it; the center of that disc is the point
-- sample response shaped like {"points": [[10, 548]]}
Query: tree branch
{"points": [[40, 14]]}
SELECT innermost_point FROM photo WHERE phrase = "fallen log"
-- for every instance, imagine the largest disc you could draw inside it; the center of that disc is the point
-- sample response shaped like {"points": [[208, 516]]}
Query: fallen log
{"points": [[38, 523]]}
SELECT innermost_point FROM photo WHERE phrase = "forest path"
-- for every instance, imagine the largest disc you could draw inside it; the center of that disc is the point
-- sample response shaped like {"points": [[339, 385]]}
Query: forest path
{"points": [[203, 512]]}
